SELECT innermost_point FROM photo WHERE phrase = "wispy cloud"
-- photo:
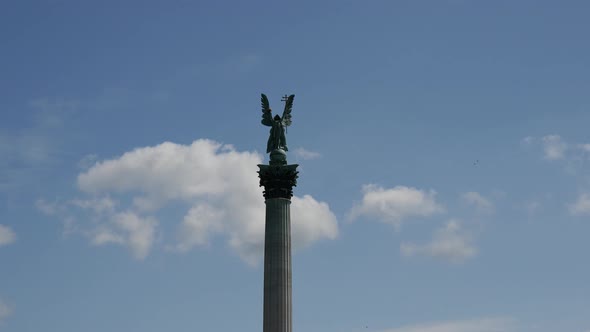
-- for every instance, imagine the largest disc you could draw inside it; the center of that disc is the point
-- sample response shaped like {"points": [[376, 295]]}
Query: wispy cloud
{"points": [[87, 161], [450, 243], [51, 113], [244, 63], [527, 141], [554, 147], [532, 207], [128, 228], [557, 148], [5, 311], [306, 154], [581, 207], [575, 156], [481, 204], [7, 235], [470, 325], [226, 67], [28, 150]]}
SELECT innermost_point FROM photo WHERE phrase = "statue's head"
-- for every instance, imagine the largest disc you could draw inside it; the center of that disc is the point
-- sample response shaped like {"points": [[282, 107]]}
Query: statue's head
{"points": [[277, 117]]}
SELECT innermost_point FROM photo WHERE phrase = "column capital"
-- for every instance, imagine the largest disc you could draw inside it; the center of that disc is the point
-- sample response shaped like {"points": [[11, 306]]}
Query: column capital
{"points": [[278, 180]]}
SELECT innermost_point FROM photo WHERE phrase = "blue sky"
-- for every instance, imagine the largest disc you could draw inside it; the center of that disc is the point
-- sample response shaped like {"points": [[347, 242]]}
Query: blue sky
{"points": [[443, 149]]}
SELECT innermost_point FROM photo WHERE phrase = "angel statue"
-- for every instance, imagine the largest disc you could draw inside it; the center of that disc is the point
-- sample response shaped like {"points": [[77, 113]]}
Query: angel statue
{"points": [[277, 139]]}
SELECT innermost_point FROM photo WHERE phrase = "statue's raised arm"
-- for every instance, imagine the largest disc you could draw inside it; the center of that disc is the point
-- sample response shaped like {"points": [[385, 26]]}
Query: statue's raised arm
{"points": [[277, 139]]}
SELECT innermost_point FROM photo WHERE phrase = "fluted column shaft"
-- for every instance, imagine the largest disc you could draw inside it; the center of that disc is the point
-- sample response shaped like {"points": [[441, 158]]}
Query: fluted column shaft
{"points": [[278, 180], [277, 266]]}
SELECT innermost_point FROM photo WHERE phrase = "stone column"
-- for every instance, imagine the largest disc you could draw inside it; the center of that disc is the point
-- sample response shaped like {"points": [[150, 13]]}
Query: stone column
{"points": [[278, 180]]}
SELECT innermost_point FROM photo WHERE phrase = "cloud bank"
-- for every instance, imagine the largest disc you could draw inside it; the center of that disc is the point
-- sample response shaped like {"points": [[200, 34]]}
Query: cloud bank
{"points": [[217, 184]]}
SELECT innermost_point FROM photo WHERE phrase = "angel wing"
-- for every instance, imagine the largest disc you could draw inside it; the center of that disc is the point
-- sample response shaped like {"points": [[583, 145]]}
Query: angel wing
{"points": [[287, 112], [266, 112]]}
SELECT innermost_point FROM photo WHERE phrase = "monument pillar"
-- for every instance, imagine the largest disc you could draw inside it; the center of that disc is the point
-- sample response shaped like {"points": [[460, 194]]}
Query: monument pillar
{"points": [[278, 180]]}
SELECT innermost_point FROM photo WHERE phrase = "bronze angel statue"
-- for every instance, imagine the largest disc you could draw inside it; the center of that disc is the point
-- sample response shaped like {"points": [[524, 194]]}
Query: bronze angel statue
{"points": [[277, 139]]}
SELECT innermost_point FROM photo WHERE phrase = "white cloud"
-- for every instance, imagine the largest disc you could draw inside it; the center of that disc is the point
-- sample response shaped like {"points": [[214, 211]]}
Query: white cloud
{"points": [[581, 206], [395, 205], [5, 311], [554, 147], [312, 221], [7, 235], [218, 185], [469, 325], [482, 204], [306, 154], [450, 243], [173, 171], [201, 221], [139, 232]]}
